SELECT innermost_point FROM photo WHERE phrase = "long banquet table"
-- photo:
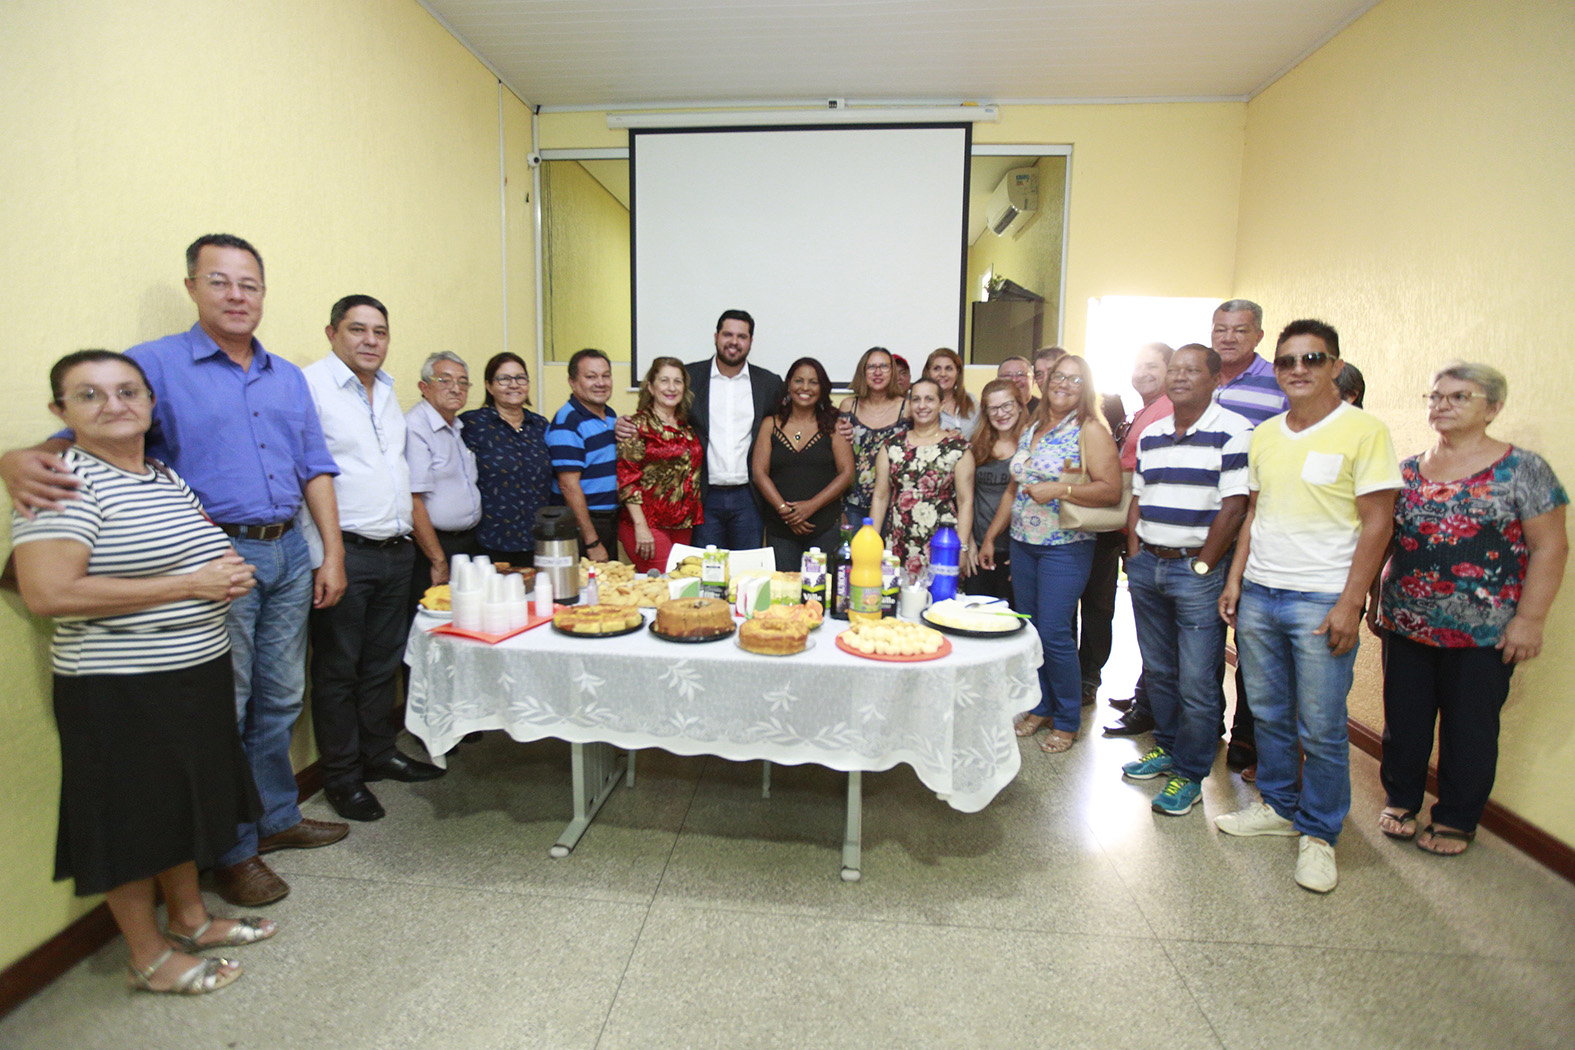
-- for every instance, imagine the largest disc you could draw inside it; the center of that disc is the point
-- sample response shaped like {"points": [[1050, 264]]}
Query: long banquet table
{"points": [[950, 719]]}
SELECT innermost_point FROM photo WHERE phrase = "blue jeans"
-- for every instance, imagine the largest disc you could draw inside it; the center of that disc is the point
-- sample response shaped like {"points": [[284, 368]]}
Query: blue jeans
{"points": [[268, 647], [1047, 581], [1182, 639], [732, 521], [1298, 697]]}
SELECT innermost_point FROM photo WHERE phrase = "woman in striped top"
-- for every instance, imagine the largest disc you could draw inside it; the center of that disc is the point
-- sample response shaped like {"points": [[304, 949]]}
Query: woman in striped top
{"points": [[153, 779]]}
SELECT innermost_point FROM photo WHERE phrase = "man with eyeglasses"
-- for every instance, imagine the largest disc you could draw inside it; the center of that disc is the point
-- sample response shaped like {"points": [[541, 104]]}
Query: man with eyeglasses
{"points": [[445, 501], [358, 644], [1322, 481], [232, 420], [1019, 371]]}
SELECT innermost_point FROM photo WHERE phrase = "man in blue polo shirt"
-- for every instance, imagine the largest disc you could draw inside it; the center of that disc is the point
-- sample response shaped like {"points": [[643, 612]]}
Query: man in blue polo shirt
{"points": [[585, 455], [1189, 496], [236, 422]]}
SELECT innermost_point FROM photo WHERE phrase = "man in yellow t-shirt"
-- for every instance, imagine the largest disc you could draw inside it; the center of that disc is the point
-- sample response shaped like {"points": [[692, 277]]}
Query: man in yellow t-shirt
{"points": [[1322, 479]]}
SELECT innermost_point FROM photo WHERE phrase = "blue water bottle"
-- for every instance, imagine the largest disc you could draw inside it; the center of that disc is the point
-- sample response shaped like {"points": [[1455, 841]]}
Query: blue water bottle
{"points": [[945, 553]]}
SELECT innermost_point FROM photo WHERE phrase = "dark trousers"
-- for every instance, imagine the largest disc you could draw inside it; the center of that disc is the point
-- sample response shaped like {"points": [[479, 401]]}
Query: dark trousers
{"points": [[605, 522], [1462, 690], [790, 549], [357, 646], [1243, 728], [1097, 606], [421, 571], [996, 582], [732, 521]]}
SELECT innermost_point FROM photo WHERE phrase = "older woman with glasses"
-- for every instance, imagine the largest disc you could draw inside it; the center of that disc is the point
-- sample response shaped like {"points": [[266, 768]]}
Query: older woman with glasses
{"points": [[1066, 456], [513, 466], [153, 780], [1477, 557], [874, 414]]}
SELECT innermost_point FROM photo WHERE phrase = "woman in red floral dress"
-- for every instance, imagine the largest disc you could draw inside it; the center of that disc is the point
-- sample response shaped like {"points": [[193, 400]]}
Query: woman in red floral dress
{"points": [[658, 469]]}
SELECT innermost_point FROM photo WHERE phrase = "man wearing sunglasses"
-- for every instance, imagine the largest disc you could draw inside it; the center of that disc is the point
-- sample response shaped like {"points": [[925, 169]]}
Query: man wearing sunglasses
{"points": [[1322, 481]]}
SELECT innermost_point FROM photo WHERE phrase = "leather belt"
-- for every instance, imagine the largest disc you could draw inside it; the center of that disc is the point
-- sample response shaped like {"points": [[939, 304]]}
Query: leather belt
{"points": [[1170, 552], [356, 540], [257, 532]]}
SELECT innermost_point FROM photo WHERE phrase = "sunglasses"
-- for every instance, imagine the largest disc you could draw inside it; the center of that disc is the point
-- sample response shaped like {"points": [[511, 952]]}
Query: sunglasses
{"points": [[1309, 360]]}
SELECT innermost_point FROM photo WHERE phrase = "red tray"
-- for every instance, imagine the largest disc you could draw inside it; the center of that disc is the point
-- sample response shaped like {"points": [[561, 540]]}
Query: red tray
{"points": [[944, 650], [494, 639]]}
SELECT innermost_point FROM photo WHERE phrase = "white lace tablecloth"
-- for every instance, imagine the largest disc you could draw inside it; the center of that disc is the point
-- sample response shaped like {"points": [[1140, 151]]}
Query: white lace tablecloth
{"points": [[950, 719]]}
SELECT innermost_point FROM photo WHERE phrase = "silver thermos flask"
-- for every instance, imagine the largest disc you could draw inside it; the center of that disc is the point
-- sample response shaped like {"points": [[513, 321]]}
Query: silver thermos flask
{"points": [[557, 552]]}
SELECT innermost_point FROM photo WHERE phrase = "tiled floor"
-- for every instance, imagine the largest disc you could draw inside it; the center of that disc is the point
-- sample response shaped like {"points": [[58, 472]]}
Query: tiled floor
{"points": [[696, 914]]}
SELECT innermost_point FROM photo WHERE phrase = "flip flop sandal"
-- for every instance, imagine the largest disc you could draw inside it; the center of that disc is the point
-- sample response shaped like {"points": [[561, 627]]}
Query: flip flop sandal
{"points": [[1408, 817], [1028, 725], [1445, 833]]}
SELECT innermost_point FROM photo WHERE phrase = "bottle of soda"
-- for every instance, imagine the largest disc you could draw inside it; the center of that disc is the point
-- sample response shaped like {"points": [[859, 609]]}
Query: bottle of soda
{"points": [[864, 581], [843, 566]]}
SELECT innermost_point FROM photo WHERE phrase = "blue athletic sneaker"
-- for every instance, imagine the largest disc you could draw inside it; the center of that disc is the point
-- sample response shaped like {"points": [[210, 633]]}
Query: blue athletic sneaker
{"points": [[1178, 798], [1154, 763]]}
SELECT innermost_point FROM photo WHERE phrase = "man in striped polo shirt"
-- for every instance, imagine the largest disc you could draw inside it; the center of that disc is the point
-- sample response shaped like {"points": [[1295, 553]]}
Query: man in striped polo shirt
{"points": [[1189, 496], [585, 455]]}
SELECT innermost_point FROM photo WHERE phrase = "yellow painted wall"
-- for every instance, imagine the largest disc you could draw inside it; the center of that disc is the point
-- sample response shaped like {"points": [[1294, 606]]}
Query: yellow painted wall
{"points": [[1411, 184], [355, 144], [585, 239]]}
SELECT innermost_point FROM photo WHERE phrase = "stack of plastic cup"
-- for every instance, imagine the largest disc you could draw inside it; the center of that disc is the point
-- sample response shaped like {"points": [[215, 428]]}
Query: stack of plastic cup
{"points": [[467, 592], [495, 608], [514, 597]]}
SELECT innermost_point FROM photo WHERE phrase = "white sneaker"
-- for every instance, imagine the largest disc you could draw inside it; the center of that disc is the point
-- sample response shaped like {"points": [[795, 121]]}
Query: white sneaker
{"points": [[1315, 865], [1257, 819]]}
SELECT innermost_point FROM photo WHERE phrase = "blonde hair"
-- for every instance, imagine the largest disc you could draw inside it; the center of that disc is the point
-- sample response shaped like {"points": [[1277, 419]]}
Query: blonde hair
{"points": [[965, 403], [646, 405]]}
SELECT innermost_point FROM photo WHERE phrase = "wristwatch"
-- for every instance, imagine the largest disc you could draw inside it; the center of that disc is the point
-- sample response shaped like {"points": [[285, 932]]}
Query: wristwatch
{"points": [[1200, 566]]}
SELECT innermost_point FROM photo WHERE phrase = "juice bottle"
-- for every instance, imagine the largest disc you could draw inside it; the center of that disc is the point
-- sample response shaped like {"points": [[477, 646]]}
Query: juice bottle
{"points": [[713, 572], [864, 581], [841, 567], [814, 576], [889, 571]]}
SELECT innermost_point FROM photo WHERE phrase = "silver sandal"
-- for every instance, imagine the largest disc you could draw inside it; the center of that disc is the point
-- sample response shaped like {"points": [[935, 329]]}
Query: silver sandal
{"points": [[247, 930], [207, 976]]}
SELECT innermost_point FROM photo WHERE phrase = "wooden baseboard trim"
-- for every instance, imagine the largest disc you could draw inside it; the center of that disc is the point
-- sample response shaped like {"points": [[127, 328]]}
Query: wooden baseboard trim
{"points": [[1531, 840], [90, 932]]}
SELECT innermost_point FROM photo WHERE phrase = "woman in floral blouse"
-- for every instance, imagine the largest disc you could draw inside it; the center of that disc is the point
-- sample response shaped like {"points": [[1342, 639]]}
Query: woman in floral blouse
{"points": [[926, 477], [513, 467], [1477, 557], [658, 468], [875, 413], [1050, 564]]}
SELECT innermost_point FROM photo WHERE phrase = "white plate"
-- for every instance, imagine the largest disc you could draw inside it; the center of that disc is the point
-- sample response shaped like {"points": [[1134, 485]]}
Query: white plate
{"points": [[438, 614]]}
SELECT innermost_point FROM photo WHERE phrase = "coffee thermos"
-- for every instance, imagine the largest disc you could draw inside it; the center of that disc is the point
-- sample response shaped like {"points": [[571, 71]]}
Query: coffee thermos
{"points": [[557, 552]]}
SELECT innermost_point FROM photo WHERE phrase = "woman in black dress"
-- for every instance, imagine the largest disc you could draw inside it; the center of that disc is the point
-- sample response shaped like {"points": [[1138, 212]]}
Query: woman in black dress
{"points": [[802, 466]]}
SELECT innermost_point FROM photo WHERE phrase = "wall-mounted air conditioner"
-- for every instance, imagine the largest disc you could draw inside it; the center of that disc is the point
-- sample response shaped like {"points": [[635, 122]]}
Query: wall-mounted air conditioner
{"points": [[1014, 200]]}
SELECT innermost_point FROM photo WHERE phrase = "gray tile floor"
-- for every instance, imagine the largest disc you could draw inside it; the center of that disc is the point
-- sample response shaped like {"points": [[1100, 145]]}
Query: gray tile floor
{"points": [[696, 914]]}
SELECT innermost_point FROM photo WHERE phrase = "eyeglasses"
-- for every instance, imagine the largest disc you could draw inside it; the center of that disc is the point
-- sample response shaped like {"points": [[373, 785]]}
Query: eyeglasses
{"points": [[1002, 409], [1065, 379], [511, 380], [1309, 360], [1458, 398], [221, 285], [1012, 375], [872, 367], [93, 397], [458, 384]]}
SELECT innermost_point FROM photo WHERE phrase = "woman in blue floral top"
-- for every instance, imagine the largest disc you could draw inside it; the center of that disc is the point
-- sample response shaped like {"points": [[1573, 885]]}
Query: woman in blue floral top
{"points": [[1477, 558], [513, 467], [1050, 564]]}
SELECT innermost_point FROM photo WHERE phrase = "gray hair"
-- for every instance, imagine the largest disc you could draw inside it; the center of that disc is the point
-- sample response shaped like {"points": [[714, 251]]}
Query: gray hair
{"points": [[1490, 379], [1236, 306], [429, 366], [1162, 349]]}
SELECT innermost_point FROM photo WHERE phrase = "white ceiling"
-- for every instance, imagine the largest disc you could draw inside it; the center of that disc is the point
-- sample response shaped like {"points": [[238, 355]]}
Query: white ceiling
{"points": [[607, 54]]}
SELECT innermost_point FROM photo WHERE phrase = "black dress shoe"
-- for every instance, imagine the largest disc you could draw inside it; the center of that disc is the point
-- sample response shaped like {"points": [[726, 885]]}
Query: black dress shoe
{"points": [[399, 766], [354, 802], [1124, 704], [1133, 723], [1240, 755]]}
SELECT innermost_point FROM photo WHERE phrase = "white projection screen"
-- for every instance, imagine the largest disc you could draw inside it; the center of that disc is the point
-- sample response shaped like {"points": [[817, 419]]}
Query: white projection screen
{"points": [[835, 239]]}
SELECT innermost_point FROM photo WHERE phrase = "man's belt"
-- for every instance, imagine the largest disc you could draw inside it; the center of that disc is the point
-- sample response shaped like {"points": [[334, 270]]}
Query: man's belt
{"points": [[356, 540], [1171, 552], [257, 532]]}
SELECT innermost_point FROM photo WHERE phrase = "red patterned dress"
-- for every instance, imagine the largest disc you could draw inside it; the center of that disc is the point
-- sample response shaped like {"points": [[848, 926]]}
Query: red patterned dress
{"points": [[659, 469]]}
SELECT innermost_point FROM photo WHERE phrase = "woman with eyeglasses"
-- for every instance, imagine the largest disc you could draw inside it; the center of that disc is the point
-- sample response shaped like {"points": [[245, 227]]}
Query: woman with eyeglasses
{"points": [[153, 780], [659, 469], [1004, 417], [875, 412], [958, 410], [1066, 456], [1477, 558], [513, 466]]}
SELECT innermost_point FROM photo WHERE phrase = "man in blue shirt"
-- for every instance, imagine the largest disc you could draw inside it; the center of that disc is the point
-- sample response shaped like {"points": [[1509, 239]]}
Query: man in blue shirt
{"points": [[585, 455], [236, 422]]}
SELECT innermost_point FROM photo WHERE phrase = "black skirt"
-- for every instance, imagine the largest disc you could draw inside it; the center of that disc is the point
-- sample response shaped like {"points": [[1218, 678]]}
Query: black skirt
{"points": [[151, 773]]}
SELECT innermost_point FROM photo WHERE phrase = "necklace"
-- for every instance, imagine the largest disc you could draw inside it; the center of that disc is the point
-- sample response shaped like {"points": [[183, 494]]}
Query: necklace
{"points": [[798, 435]]}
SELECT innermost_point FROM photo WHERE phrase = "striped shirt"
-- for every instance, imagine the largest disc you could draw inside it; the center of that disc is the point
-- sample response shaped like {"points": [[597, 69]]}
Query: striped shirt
{"points": [[1181, 480], [134, 525], [1255, 393], [580, 440]]}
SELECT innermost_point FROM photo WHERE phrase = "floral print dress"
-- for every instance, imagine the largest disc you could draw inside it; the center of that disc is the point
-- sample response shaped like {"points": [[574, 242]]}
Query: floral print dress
{"points": [[1460, 553], [922, 497]]}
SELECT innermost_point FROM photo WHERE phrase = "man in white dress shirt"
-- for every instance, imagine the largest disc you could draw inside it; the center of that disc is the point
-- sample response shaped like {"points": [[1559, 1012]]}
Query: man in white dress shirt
{"points": [[445, 502], [357, 644]]}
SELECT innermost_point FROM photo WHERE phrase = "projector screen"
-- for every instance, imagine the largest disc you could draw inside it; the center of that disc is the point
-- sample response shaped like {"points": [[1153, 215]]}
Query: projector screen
{"points": [[835, 239]]}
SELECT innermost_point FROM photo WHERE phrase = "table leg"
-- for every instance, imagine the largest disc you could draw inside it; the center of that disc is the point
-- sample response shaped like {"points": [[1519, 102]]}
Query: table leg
{"points": [[595, 771], [853, 834], [765, 779]]}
